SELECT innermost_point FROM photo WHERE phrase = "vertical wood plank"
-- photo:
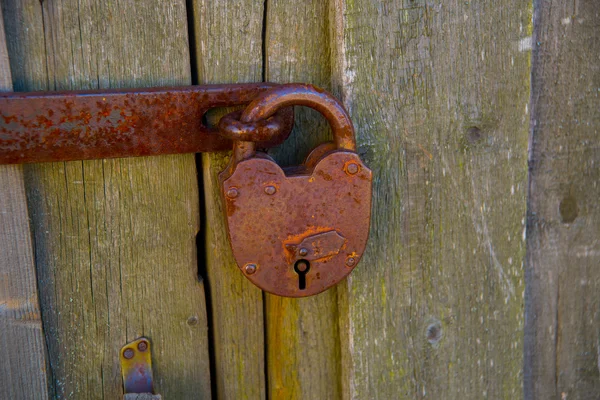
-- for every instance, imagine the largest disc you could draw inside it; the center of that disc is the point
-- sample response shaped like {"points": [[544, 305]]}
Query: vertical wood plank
{"points": [[562, 330], [302, 334], [115, 239], [22, 346], [438, 91], [228, 47]]}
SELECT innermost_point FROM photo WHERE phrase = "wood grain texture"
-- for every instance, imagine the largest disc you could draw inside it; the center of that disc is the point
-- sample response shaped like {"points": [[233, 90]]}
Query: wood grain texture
{"points": [[22, 346], [228, 41], [115, 239], [302, 334], [562, 330], [438, 91]]}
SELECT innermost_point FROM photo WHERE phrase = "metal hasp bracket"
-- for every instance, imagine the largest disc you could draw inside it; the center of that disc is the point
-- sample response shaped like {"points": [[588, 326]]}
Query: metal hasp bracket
{"points": [[83, 125], [136, 366]]}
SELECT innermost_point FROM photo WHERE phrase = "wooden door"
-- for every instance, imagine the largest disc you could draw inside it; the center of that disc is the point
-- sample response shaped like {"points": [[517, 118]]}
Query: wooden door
{"points": [[480, 122]]}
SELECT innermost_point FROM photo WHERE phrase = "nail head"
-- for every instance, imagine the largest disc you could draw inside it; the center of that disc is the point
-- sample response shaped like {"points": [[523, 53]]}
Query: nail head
{"points": [[232, 193], [352, 168], [250, 268], [128, 354]]}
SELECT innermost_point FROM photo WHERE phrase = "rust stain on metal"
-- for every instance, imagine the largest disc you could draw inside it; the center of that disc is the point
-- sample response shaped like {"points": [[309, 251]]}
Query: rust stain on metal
{"points": [[80, 125], [301, 235], [297, 94], [316, 247], [263, 130], [136, 367]]}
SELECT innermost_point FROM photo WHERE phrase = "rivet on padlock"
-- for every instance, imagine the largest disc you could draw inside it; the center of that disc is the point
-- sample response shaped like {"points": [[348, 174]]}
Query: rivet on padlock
{"points": [[297, 231]]}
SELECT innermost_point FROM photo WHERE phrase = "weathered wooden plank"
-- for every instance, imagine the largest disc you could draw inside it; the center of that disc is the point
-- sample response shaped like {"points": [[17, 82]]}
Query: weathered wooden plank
{"points": [[115, 240], [562, 329], [228, 49], [302, 335], [22, 346], [438, 91]]}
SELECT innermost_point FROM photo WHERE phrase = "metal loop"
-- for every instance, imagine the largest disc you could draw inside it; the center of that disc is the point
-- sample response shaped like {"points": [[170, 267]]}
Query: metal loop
{"points": [[267, 132], [267, 104]]}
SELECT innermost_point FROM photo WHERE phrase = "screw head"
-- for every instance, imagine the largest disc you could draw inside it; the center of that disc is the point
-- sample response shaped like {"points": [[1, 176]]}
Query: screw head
{"points": [[232, 193], [303, 252], [128, 354], [250, 268], [270, 190], [352, 168], [142, 346], [350, 261]]}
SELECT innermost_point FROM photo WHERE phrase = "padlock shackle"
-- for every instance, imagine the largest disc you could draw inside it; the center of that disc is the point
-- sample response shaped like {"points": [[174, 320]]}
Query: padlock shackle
{"points": [[295, 94]]}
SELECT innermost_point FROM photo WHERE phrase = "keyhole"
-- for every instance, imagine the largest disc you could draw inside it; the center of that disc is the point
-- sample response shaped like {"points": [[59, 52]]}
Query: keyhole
{"points": [[301, 267]]}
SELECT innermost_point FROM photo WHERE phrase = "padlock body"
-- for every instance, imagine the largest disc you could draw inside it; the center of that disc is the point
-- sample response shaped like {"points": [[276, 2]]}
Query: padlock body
{"points": [[297, 234]]}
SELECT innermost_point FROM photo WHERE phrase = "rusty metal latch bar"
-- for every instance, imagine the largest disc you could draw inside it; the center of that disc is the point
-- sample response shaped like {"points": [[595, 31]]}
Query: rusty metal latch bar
{"points": [[81, 125]]}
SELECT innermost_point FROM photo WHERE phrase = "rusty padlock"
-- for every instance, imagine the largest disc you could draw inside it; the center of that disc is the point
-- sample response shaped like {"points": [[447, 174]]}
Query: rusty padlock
{"points": [[298, 231]]}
